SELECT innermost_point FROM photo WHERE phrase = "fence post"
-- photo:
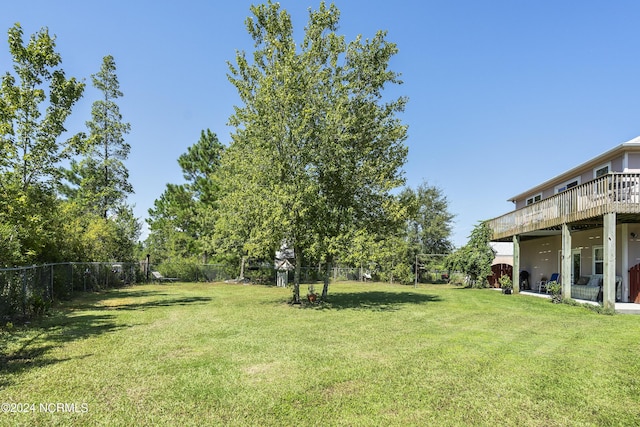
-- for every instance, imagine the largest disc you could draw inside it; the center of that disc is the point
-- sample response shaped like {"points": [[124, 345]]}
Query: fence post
{"points": [[24, 292], [51, 289]]}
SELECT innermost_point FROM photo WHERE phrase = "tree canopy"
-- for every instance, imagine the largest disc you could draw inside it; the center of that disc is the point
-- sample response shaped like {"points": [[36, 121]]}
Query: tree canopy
{"points": [[474, 259], [42, 219], [182, 220], [35, 101], [314, 163], [316, 149]]}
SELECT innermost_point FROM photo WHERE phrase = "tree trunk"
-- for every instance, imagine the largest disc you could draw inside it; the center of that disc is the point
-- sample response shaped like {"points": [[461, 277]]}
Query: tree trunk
{"points": [[327, 274], [296, 275], [242, 269]]}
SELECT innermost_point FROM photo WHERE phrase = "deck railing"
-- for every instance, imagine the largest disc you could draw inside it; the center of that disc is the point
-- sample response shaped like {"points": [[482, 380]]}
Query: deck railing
{"points": [[615, 192]]}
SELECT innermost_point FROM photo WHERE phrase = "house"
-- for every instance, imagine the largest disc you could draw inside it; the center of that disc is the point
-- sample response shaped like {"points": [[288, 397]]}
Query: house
{"points": [[583, 224]]}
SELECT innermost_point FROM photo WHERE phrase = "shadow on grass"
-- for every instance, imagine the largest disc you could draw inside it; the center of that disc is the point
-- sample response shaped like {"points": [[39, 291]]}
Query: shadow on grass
{"points": [[170, 302], [125, 300], [30, 346], [93, 300], [372, 301]]}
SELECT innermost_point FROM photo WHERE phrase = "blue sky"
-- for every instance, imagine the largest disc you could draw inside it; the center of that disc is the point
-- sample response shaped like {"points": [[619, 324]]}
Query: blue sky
{"points": [[502, 94]]}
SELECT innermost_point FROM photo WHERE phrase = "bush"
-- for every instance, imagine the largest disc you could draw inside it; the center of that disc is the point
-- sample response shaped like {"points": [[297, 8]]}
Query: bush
{"points": [[262, 275], [38, 304], [401, 273], [555, 289], [456, 279], [505, 284]]}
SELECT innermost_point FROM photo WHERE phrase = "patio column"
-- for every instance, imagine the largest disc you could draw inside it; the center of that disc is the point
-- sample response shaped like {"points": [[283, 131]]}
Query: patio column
{"points": [[624, 262], [516, 264], [565, 278], [609, 267]]}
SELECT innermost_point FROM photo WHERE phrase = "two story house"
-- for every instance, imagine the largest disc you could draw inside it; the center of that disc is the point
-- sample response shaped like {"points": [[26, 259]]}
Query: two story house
{"points": [[583, 224]]}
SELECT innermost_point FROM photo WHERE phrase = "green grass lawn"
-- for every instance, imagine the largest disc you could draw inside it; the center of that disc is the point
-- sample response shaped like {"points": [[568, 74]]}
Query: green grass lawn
{"points": [[375, 354]]}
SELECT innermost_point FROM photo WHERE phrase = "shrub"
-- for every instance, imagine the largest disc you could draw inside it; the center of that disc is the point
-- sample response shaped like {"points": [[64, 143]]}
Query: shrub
{"points": [[555, 289], [39, 305], [262, 275], [505, 284]]}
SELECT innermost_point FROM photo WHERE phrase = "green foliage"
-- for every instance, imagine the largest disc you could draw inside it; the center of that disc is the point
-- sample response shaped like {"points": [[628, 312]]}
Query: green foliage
{"points": [[505, 282], [597, 308], [401, 273], [35, 102], [38, 304], [555, 289], [316, 150], [99, 181], [29, 224], [182, 220], [31, 123], [88, 236], [474, 259], [429, 221]]}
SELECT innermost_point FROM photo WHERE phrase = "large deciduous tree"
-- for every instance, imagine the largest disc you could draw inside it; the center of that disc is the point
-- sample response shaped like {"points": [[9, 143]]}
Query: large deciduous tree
{"points": [[35, 102], [316, 149]]}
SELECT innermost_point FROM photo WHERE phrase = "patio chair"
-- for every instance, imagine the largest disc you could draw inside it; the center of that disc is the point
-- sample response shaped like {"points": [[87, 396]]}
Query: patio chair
{"points": [[543, 283], [160, 278]]}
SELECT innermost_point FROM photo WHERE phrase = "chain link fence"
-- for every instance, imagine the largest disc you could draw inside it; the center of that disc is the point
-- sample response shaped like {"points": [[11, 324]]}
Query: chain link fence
{"points": [[27, 291]]}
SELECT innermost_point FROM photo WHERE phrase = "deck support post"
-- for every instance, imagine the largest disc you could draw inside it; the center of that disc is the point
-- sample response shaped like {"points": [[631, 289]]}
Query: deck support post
{"points": [[566, 258], [515, 279], [609, 267], [565, 278], [624, 262]]}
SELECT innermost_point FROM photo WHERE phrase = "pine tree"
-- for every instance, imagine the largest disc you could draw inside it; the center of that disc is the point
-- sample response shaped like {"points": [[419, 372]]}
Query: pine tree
{"points": [[103, 176]]}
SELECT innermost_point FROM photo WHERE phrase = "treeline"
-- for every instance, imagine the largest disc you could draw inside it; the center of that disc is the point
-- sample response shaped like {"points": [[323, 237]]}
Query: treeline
{"points": [[188, 225], [314, 166], [62, 195]]}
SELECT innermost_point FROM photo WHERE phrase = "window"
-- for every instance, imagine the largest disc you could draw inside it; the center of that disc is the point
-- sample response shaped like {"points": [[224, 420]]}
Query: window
{"points": [[601, 170], [532, 200], [567, 185], [598, 260]]}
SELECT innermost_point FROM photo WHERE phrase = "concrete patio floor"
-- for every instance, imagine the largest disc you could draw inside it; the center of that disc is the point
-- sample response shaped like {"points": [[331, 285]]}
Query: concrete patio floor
{"points": [[621, 307]]}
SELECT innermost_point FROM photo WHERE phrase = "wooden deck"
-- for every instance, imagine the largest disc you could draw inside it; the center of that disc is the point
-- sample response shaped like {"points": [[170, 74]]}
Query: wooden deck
{"points": [[581, 206]]}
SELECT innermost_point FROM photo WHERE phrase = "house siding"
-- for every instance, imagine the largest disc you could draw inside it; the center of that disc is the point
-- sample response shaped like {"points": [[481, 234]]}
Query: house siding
{"points": [[633, 161], [585, 174], [539, 257]]}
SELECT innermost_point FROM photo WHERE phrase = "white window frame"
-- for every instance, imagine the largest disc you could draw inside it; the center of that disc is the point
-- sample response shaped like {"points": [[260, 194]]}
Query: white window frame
{"points": [[595, 260], [533, 199], [562, 187], [599, 168]]}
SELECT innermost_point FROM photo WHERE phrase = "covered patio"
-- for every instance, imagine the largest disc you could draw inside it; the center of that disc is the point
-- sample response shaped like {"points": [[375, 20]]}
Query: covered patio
{"points": [[607, 208], [620, 307]]}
